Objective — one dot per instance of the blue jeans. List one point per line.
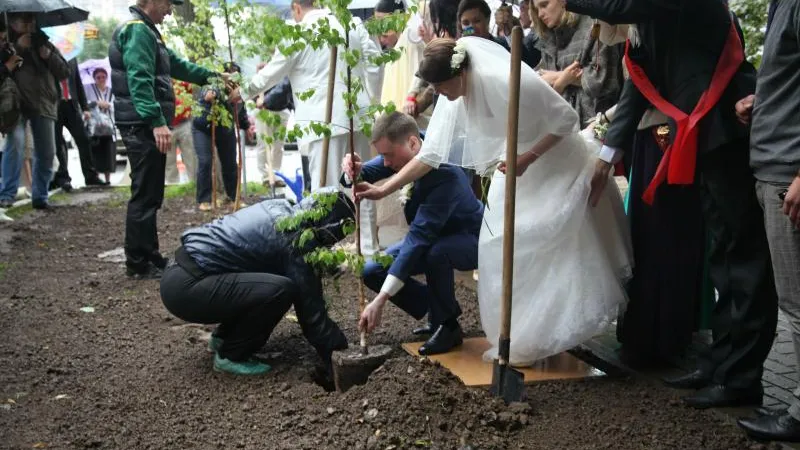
(438, 297)
(44, 146)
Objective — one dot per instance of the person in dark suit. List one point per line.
(73, 112)
(444, 223)
(685, 50)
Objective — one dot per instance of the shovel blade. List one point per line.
(507, 383)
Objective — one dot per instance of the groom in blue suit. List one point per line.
(444, 222)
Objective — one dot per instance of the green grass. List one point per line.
(16, 212)
(180, 190)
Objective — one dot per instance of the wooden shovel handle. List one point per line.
(511, 191)
(326, 141)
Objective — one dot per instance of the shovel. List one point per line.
(507, 382)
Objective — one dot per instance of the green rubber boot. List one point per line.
(214, 344)
(247, 368)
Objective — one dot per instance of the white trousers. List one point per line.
(337, 149)
(269, 157)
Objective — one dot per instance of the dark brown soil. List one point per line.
(129, 376)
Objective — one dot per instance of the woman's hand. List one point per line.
(523, 162)
(104, 105)
(367, 191)
(549, 76)
(12, 62)
(571, 76)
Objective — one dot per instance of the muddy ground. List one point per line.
(130, 376)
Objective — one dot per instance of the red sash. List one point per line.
(680, 159)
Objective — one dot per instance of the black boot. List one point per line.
(444, 339)
(428, 329)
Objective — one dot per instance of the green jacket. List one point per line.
(142, 71)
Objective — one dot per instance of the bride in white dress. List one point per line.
(569, 259)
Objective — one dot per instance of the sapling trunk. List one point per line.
(362, 301)
(213, 164)
(239, 167)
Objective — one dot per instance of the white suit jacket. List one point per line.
(308, 69)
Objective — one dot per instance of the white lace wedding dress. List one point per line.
(569, 259)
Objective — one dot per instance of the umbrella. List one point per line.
(68, 39)
(49, 13)
(87, 67)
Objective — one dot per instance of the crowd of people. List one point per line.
(658, 92)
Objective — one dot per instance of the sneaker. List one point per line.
(152, 273)
(205, 206)
(247, 368)
(214, 344)
(475, 275)
(5, 218)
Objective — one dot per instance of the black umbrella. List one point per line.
(49, 13)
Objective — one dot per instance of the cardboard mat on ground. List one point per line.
(466, 362)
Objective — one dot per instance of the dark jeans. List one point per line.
(438, 296)
(226, 152)
(247, 306)
(71, 117)
(147, 194)
(746, 314)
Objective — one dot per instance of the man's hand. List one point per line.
(744, 109)
(163, 138)
(371, 317)
(12, 62)
(86, 116)
(260, 66)
(45, 52)
(410, 108)
(791, 204)
(366, 191)
(351, 167)
(235, 96)
(599, 181)
(260, 101)
(104, 105)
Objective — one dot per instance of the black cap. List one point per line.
(389, 6)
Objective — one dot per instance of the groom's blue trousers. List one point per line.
(459, 252)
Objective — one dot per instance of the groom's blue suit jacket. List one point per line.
(441, 204)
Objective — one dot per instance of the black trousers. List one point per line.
(746, 314)
(226, 153)
(70, 116)
(247, 306)
(147, 194)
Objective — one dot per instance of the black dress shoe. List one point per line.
(96, 182)
(764, 411)
(42, 206)
(67, 187)
(772, 428)
(151, 273)
(425, 329)
(718, 396)
(694, 380)
(442, 341)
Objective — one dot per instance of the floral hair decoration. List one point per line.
(459, 55)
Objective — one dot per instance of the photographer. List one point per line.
(36, 82)
(9, 59)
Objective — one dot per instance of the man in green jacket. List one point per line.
(142, 68)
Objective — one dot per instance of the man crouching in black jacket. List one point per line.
(243, 274)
